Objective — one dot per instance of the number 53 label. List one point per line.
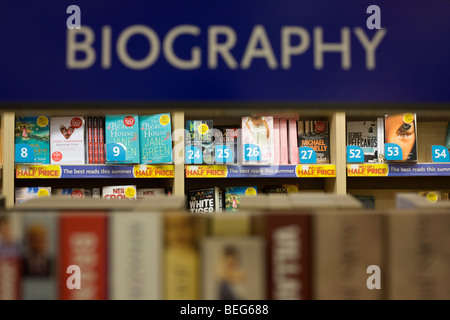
(392, 151)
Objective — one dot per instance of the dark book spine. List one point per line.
(90, 141)
(95, 129)
(101, 140)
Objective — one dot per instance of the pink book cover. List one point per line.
(293, 145)
(258, 131)
(276, 140)
(284, 153)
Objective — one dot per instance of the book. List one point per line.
(32, 140)
(380, 139)
(401, 129)
(67, 145)
(96, 146)
(90, 139)
(315, 135)
(122, 138)
(367, 201)
(276, 141)
(199, 134)
(10, 256)
(233, 268)
(40, 230)
(257, 140)
(135, 245)
(230, 137)
(364, 134)
(233, 196)
(284, 146)
(447, 138)
(181, 257)
(83, 243)
(207, 200)
(280, 188)
(70, 192)
(149, 192)
(23, 194)
(127, 192)
(101, 140)
(293, 141)
(288, 255)
(155, 138)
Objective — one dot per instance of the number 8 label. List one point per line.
(24, 154)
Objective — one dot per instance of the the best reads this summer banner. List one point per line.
(234, 50)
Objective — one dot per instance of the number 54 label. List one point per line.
(440, 154)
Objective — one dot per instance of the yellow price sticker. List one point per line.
(130, 192)
(408, 118)
(164, 120)
(250, 191)
(203, 128)
(43, 193)
(42, 121)
(432, 197)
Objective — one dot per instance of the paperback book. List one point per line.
(76, 193)
(32, 140)
(67, 144)
(257, 140)
(234, 195)
(143, 193)
(315, 135)
(23, 194)
(401, 130)
(127, 192)
(155, 138)
(199, 134)
(205, 200)
(122, 138)
(364, 134)
(229, 137)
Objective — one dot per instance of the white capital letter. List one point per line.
(320, 47)
(85, 46)
(215, 49)
(370, 46)
(259, 35)
(287, 50)
(195, 60)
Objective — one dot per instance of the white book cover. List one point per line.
(135, 246)
(23, 194)
(258, 132)
(149, 192)
(67, 140)
(119, 192)
(380, 139)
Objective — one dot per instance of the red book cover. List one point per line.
(95, 122)
(83, 243)
(288, 256)
(90, 141)
(101, 140)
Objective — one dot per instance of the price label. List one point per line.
(355, 154)
(252, 152)
(440, 154)
(393, 151)
(115, 152)
(223, 154)
(193, 155)
(24, 153)
(307, 155)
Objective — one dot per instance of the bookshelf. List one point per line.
(383, 180)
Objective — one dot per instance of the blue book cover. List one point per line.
(199, 134)
(122, 138)
(233, 196)
(32, 140)
(155, 138)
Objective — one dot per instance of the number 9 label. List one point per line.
(115, 152)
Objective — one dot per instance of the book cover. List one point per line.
(368, 202)
(149, 192)
(135, 246)
(32, 139)
(364, 134)
(70, 192)
(96, 193)
(234, 195)
(127, 192)
(276, 141)
(280, 188)
(23, 194)
(293, 141)
(233, 268)
(155, 138)
(67, 144)
(401, 129)
(230, 137)
(204, 200)
(344, 245)
(101, 140)
(90, 139)
(284, 145)
(380, 139)
(96, 145)
(10, 256)
(199, 134)
(447, 138)
(181, 257)
(315, 135)
(40, 230)
(288, 256)
(257, 139)
(122, 138)
(83, 243)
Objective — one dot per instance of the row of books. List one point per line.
(276, 255)
(133, 138)
(126, 192)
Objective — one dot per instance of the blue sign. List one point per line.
(193, 155)
(355, 154)
(232, 51)
(223, 154)
(307, 155)
(440, 154)
(115, 152)
(252, 152)
(392, 152)
(24, 153)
